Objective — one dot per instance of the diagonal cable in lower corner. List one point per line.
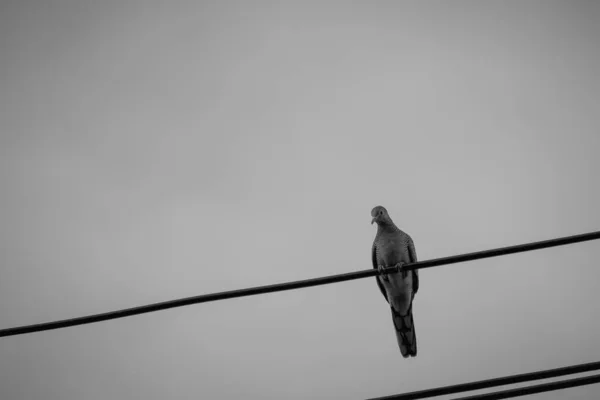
(489, 383)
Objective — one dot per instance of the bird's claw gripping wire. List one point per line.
(400, 268)
(382, 274)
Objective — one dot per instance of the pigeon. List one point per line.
(393, 248)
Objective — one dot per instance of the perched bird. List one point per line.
(393, 247)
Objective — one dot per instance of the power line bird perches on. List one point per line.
(279, 287)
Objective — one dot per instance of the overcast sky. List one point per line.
(156, 150)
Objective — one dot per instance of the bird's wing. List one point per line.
(412, 255)
(374, 260)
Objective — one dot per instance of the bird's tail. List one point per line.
(405, 333)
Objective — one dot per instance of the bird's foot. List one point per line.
(383, 276)
(400, 268)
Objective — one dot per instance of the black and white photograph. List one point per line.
(274, 199)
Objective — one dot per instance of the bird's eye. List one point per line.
(380, 212)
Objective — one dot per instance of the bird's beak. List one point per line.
(373, 220)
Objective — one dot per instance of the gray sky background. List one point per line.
(157, 150)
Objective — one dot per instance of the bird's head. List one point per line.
(380, 215)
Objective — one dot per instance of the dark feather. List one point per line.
(374, 260)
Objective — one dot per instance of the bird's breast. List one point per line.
(393, 252)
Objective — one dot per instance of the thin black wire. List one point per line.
(295, 285)
(544, 387)
(489, 383)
